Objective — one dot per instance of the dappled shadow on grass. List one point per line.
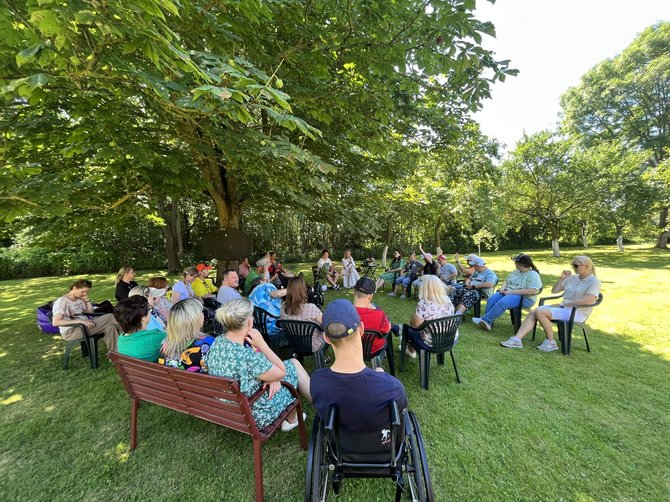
(519, 426)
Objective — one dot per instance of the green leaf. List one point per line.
(27, 55)
(47, 21)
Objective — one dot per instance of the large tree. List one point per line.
(271, 103)
(627, 99)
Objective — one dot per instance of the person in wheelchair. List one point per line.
(361, 395)
(363, 427)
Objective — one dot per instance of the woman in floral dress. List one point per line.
(243, 354)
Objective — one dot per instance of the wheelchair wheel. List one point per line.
(420, 487)
(316, 478)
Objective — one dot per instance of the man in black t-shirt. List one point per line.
(361, 395)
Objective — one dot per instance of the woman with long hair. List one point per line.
(184, 288)
(243, 354)
(394, 268)
(580, 288)
(296, 308)
(137, 339)
(434, 303)
(525, 280)
(124, 281)
(186, 346)
(349, 273)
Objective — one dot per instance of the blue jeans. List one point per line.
(498, 303)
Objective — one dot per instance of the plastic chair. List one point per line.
(261, 324)
(443, 332)
(515, 313)
(369, 336)
(299, 336)
(565, 327)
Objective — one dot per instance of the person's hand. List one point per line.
(421, 247)
(565, 274)
(505, 292)
(87, 322)
(254, 337)
(273, 388)
(457, 256)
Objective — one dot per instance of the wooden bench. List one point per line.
(201, 396)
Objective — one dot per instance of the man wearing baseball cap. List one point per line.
(360, 394)
(481, 282)
(371, 315)
(203, 285)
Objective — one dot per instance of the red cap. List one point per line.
(201, 266)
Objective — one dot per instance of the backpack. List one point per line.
(315, 294)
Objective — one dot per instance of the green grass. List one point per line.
(523, 425)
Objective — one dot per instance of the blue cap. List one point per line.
(340, 312)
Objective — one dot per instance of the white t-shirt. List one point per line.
(324, 263)
(576, 289)
(70, 310)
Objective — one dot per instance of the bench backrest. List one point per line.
(211, 398)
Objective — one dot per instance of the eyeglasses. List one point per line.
(577, 265)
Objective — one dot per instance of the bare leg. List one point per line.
(380, 283)
(303, 380)
(544, 318)
(461, 308)
(330, 280)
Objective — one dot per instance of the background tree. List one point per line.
(627, 99)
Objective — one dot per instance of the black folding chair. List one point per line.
(261, 324)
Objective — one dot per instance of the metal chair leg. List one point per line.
(403, 347)
(586, 339)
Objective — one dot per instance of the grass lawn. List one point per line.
(523, 425)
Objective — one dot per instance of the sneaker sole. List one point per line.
(511, 346)
(551, 349)
(484, 326)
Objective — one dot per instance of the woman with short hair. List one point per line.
(580, 288)
(243, 355)
(137, 339)
(519, 289)
(185, 346)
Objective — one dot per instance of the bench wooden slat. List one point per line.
(212, 392)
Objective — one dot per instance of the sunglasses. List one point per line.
(577, 265)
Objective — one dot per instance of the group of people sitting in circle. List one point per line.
(147, 325)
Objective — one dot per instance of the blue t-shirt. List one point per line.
(184, 290)
(362, 398)
(487, 275)
(226, 293)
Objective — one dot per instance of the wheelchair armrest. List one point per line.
(395, 414)
(331, 418)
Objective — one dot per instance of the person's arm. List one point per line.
(278, 370)
(560, 283)
(415, 321)
(459, 267)
(278, 293)
(59, 320)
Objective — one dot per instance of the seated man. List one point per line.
(70, 310)
(203, 285)
(228, 289)
(372, 316)
(462, 269)
(409, 273)
(361, 395)
(325, 265)
(481, 282)
(448, 272)
(260, 271)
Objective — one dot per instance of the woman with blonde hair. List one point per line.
(434, 303)
(349, 273)
(124, 282)
(243, 354)
(186, 346)
(580, 288)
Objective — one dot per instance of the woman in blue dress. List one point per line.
(243, 354)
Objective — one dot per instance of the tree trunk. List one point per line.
(170, 236)
(389, 231)
(224, 192)
(176, 219)
(662, 242)
(619, 237)
(585, 241)
(555, 237)
(386, 248)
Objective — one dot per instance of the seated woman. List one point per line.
(325, 266)
(124, 283)
(408, 274)
(156, 322)
(349, 274)
(394, 268)
(243, 355)
(430, 267)
(137, 340)
(69, 311)
(296, 308)
(184, 289)
(480, 282)
(162, 306)
(434, 303)
(185, 346)
(525, 280)
(580, 289)
(266, 296)
(463, 270)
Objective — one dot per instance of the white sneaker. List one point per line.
(548, 346)
(475, 320)
(392, 293)
(287, 426)
(402, 297)
(512, 343)
(409, 353)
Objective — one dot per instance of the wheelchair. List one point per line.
(399, 454)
